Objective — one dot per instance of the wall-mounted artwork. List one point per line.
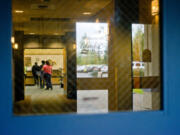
(27, 61)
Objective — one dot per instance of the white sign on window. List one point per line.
(92, 101)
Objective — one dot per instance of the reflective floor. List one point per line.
(40, 101)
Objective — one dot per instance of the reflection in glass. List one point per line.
(92, 50)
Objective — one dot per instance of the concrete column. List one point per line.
(126, 13)
(71, 66)
(18, 65)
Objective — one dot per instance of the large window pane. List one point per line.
(85, 56)
(92, 50)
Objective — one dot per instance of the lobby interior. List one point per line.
(47, 30)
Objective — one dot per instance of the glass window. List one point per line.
(80, 56)
(92, 50)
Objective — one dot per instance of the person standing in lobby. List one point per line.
(42, 75)
(35, 70)
(47, 69)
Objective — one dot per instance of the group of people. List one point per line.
(42, 74)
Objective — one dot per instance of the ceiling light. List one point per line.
(155, 7)
(16, 46)
(74, 46)
(87, 13)
(19, 11)
(97, 20)
(31, 33)
(12, 40)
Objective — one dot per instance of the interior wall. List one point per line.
(37, 55)
(46, 42)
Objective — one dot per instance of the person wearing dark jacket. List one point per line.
(42, 81)
(35, 70)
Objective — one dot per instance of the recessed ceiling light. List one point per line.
(19, 11)
(87, 13)
(31, 33)
(16, 46)
(12, 40)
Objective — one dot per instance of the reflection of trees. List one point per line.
(138, 47)
(106, 56)
(84, 44)
(138, 44)
(91, 54)
(98, 52)
(90, 58)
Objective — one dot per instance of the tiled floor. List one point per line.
(40, 101)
